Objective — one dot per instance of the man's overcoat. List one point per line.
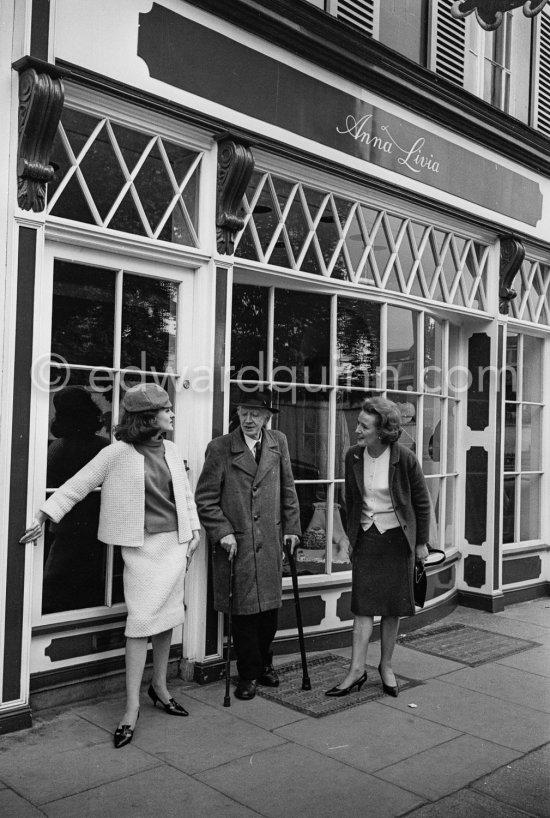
(258, 504)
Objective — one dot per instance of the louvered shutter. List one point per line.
(542, 104)
(448, 42)
(363, 14)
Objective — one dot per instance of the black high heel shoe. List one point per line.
(391, 691)
(343, 691)
(173, 708)
(124, 734)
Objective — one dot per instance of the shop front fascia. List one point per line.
(358, 247)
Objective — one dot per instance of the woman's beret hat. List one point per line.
(146, 397)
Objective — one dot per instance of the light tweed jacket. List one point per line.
(120, 471)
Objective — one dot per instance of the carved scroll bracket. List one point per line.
(235, 167)
(512, 253)
(490, 13)
(41, 97)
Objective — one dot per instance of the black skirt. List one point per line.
(382, 574)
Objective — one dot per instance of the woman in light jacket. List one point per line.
(148, 509)
(388, 521)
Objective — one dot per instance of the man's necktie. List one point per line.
(257, 451)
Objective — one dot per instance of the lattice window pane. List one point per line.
(292, 225)
(125, 180)
(533, 293)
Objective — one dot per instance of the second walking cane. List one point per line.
(306, 684)
(227, 698)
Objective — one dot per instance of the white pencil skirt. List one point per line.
(154, 575)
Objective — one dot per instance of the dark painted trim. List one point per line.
(499, 431)
(516, 595)
(55, 72)
(15, 570)
(482, 602)
(106, 85)
(207, 672)
(320, 38)
(40, 28)
(12, 720)
(88, 672)
(220, 328)
(78, 624)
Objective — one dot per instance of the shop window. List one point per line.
(522, 438)
(122, 179)
(110, 329)
(322, 355)
(292, 225)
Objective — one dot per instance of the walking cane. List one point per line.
(306, 684)
(227, 699)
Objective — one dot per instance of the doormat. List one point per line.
(461, 643)
(324, 672)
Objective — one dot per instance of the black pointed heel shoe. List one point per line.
(389, 689)
(173, 708)
(343, 691)
(124, 734)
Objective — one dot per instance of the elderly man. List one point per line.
(248, 505)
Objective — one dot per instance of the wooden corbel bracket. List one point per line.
(41, 97)
(235, 167)
(512, 253)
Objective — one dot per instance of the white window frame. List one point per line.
(517, 544)
(183, 277)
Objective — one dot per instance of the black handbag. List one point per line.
(435, 557)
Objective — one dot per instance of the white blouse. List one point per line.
(377, 504)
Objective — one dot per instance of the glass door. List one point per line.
(103, 326)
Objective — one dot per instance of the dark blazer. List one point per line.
(408, 492)
(256, 503)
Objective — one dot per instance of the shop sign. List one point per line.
(490, 13)
(196, 59)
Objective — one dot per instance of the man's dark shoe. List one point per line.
(269, 677)
(246, 689)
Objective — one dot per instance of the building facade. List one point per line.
(335, 199)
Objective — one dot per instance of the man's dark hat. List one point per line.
(256, 395)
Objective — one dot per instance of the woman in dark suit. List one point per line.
(388, 520)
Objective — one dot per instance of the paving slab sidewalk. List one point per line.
(476, 743)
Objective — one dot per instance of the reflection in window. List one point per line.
(407, 405)
(348, 406)
(301, 337)
(148, 333)
(522, 459)
(431, 450)
(357, 342)
(83, 314)
(74, 559)
(402, 349)
(303, 417)
(249, 332)
(433, 362)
